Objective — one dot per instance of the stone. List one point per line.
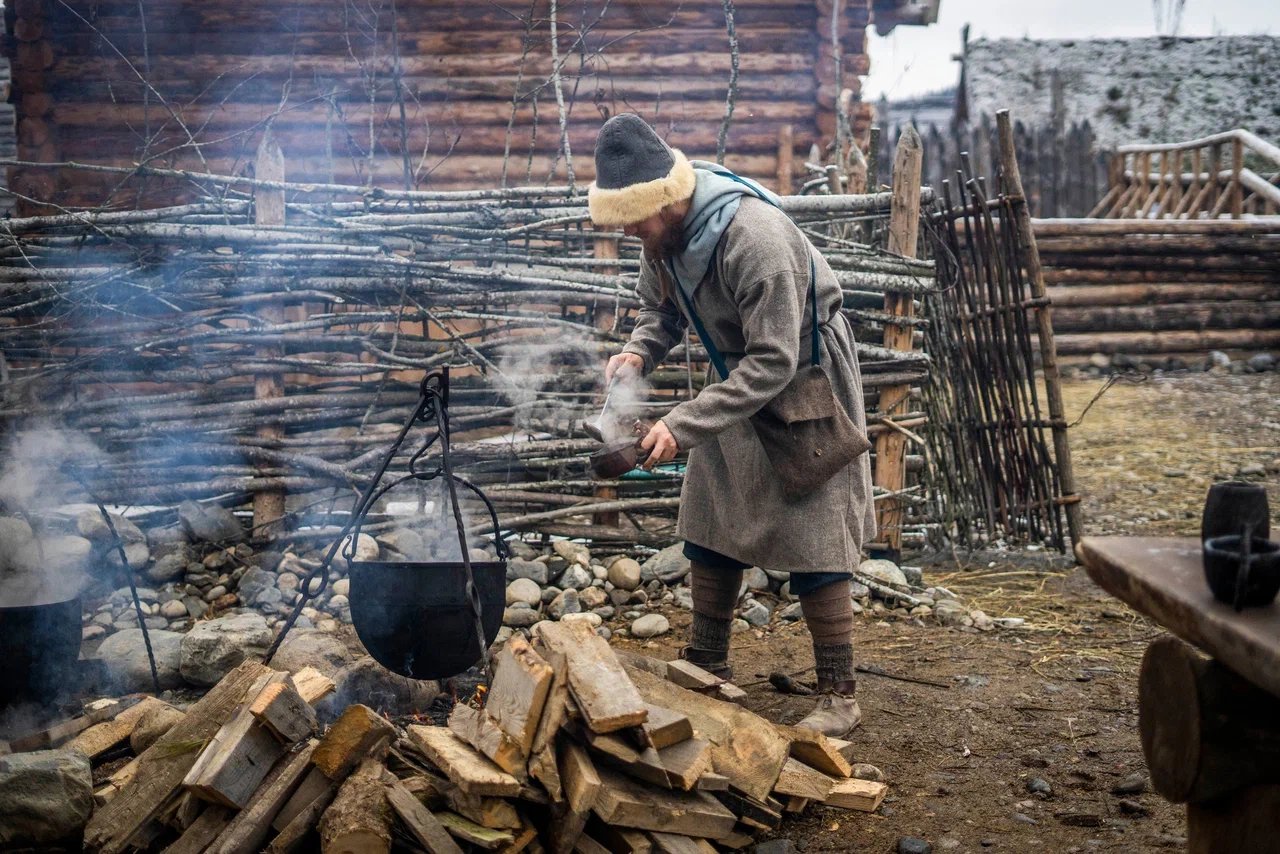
(738, 625)
(366, 548)
(865, 771)
(254, 581)
(1251, 470)
(520, 616)
(532, 570)
(756, 613)
(650, 626)
(341, 587)
(46, 797)
(791, 612)
(572, 552)
(913, 845)
(405, 541)
(599, 575)
(1219, 359)
(92, 632)
(524, 590)
(549, 594)
(210, 523)
(625, 574)
(1101, 361)
(755, 578)
(213, 648)
(125, 656)
(173, 609)
(522, 550)
(337, 602)
(1039, 786)
(566, 603)
(950, 612)
(91, 526)
(683, 597)
(138, 555)
(267, 598)
(884, 571)
(981, 621)
(311, 648)
(591, 619)
(593, 597)
(775, 846)
(366, 681)
(195, 606)
(914, 576)
(167, 568)
(215, 593)
(576, 578)
(1262, 362)
(1129, 806)
(1134, 784)
(668, 566)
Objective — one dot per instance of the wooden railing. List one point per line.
(1231, 174)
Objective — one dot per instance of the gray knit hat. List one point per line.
(637, 174)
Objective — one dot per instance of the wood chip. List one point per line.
(861, 795)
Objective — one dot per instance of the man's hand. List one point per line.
(660, 444)
(623, 365)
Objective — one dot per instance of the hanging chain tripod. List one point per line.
(431, 411)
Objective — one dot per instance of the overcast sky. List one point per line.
(912, 60)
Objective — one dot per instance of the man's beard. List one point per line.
(670, 244)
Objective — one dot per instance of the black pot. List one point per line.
(414, 618)
(1251, 586)
(1233, 504)
(39, 647)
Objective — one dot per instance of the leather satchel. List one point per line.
(806, 433)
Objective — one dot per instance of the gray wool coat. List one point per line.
(754, 304)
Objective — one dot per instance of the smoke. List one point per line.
(38, 566)
(626, 398)
(535, 372)
(429, 532)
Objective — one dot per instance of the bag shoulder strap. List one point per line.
(713, 352)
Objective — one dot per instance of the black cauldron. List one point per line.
(414, 618)
(39, 647)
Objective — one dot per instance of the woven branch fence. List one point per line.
(268, 339)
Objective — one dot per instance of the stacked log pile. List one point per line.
(153, 331)
(1153, 289)
(575, 748)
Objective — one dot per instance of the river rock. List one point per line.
(125, 655)
(173, 609)
(591, 619)
(683, 597)
(520, 616)
(254, 581)
(884, 571)
(791, 612)
(756, 613)
(311, 648)
(566, 603)
(572, 552)
(524, 590)
(668, 566)
(592, 597)
(576, 577)
(406, 542)
(168, 567)
(650, 626)
(93, 527)
(533, 570)
(214, 648)
(366, 548)
(625, 574)
(755, 578)
(212, 523)
(46, 797)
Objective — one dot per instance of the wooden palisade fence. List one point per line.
(219, 351)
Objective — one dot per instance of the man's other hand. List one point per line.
(660, 444)
(624, 364)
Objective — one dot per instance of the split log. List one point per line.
(282, 711)
(479, 730)
(358, 734)
(238, 756)
(625, 802)
(745, 747)
(800, 780)
(424, 826)
(861, 795)
(665, 727)
(202, 832)
(99, 738)
(152, 725)
(162, 767)
(521, 682)
(359, 819)
(470, 832)
(58, 733)
(816, 750)
(581, 787)
(251, 826)
(605, 696)
(543, 765)
(472, 772)
(686, 762)
(311, 685)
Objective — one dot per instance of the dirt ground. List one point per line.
(1055, 700)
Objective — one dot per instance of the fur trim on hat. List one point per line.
(627, 205)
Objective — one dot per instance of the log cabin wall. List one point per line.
(434, 95)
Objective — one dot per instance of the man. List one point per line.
(718, 244)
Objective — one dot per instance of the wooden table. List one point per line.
(1210, 728)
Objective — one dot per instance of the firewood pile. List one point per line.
(573, 747)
